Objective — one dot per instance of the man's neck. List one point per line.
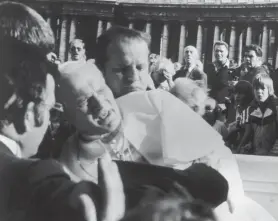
(221, 63)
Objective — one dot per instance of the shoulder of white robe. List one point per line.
(185, 135)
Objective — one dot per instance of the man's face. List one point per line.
(190, 55)
(220, 53)
(77, 51)
(126, 69)
(32, 138)
(90, 105)
(251, 59)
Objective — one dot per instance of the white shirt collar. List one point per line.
(12, 145)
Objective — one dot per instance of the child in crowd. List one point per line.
(261, 125)
(242, 97)
(162, 74)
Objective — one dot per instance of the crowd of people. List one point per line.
(238, 101)
(128, 151)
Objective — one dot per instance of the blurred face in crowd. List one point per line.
(251, 59)
(77, 50)
(126, 69)
(220, 53)
(153, 58)
(239, 98)
(33, 137)
(89, 103)
(261, 93)
(190, 55)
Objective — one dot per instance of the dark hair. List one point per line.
(221, 43)
(116, 34)
(172, 209)
(25, 40)
(255, 48)
(244, 87)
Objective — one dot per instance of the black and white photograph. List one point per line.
(138, 110)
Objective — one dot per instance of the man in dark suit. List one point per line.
(190, 68)
(33, 189)
(219, 73)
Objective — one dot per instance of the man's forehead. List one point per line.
(124, 46)
(81, 79)
(77, 44)
(222, 47)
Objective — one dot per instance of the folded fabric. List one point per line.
(199, 180)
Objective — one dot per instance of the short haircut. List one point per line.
(116, 34)
(244, 87)
(255, 48)
(221, 43)
(77, 40)
(263, 80)
(25, 39)
(171, 209)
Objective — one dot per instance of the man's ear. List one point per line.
(29, 116)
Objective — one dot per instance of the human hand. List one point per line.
(167, 75)
(111, 184)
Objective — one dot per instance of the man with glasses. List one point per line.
(77, 50)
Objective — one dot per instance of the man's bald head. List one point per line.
(191, 55)
(88, 102)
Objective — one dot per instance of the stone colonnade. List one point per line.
(168, 38)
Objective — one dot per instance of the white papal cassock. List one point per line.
(167, 132)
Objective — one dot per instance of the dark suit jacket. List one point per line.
(218, 82)
(39, 190)
(36, 190)
(251, 73)
(196, 75)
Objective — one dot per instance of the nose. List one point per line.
(96, 104)
(132, 74)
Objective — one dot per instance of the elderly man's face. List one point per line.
(190, 55)
(126, 69)
(90, 104)
(77, 51)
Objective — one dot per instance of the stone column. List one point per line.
(239, 54)
(182, 41)
(148, 27)
(72, 32)
(249, 35)
(48, 20)
(164, 40)
(216, 37)
(131, 25)
(99, 27)
(108, 25)
(232, 47)
(265, 42)
(199, 40)
(63, 39)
